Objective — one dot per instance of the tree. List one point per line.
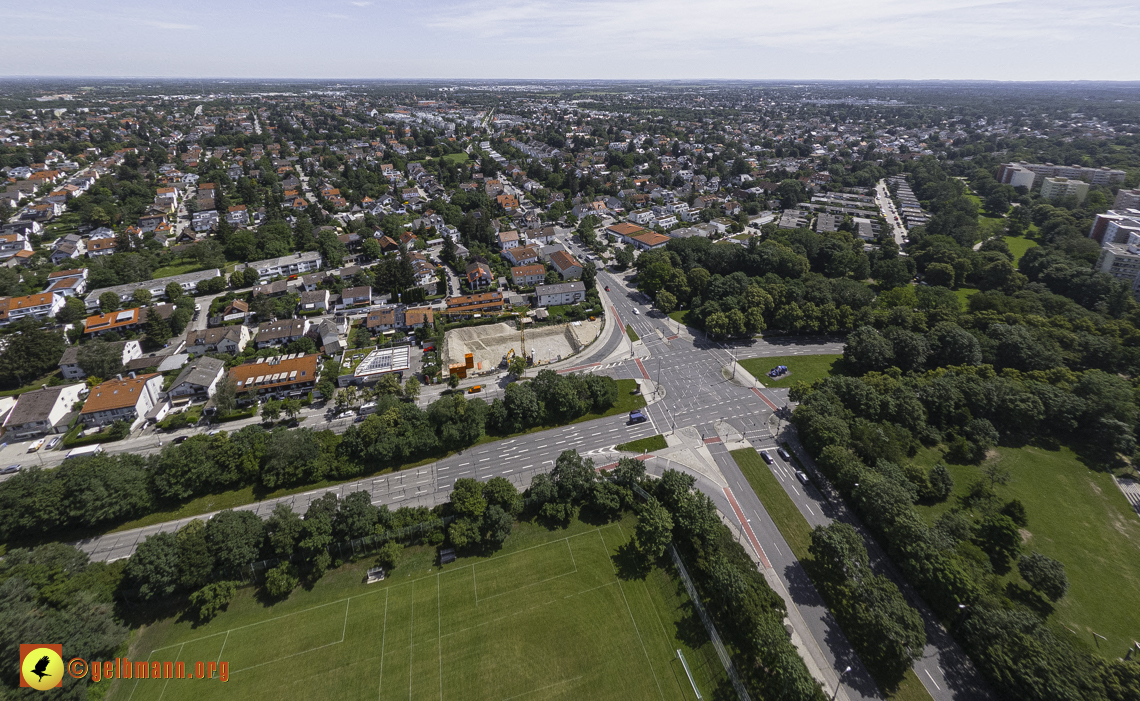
(195, 561)
(940, 274)
(157, 329)
(225, 397)
(1044, 574)
(356, 517)
(467, 498)
(412, 389)
(995, 473)
(790, 193)
(212, 599)
(388, 385)
(628, 471)
(271, 410)
(623, 257)
(666, 302)
(99, 359)
(941, 483)
(235, 538)
(108, 302)
(154, 566)
(499, 491)
(866, 350)
(892, 273)
(31, 353)
(453, 380)
(389, 555)
(141, 297)
(497, 525)
(74, 310)
(283, 528)
(654, 529)
(280, 581)
(291, 407)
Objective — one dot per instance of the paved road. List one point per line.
(696, 389)
(887, 206)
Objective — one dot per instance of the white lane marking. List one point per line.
(484, 459)
(462, 464)
(932, 680)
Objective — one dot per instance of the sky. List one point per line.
(575, 39)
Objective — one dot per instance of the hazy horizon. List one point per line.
(635, 40)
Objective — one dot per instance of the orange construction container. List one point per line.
(459, 369)
(470, 360)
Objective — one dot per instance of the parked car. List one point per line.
(802, 477)
(345, 414)
(783, 453)
(10, 470)
(53, 443)
(180, 439)
(36, 445)
(767, 457)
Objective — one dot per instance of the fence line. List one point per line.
(695, 597)
(721, 652)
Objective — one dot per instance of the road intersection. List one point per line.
(704, 404)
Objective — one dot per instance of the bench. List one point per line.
(375, 575)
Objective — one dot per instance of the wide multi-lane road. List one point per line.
(691, 390)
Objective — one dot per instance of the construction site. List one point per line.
(476, 350)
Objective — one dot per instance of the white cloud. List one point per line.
(360, 4)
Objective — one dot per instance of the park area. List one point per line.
(801, 368)
(551, 616)
(1080, 517)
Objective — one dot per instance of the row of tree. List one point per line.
(104, 489)
(863, 433)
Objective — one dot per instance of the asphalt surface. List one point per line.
(689, 383)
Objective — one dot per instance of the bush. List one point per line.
(280, 581)
(212, 599)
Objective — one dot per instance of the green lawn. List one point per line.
(964, 294)
(989, 226)
(456, 158)
(548, 617)
(177, 269)
(806, 368)
(1018, 245)
(632, 334)
(796, 531)
(1077, 516)
(644, 444)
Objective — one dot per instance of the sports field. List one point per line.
(546, 618)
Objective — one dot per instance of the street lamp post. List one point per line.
(839, 682)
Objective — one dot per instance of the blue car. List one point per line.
(636, 417)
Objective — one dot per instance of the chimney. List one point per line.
(131, 374)
(119, 376)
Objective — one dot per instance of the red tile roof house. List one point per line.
(566, 265)
(122, 399)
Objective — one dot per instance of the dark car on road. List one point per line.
(783, 453)
(636, 417)
(767, 457)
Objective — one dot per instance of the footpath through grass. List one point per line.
(796, 531)
(551, 616)
(805, 368)
(1079, 517)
